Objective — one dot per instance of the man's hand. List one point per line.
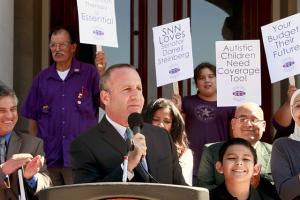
(33, 167)
(139, 151)
(15, 162)
(100, 62)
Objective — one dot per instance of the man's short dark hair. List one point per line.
(237, 141)
(107, 73)
(59, 29)
(6, 91)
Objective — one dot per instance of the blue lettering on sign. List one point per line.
(98, 32)
(239, 93)
(174, 71)
(288, 64)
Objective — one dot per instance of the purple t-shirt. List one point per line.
(63, 109)
(205, 123)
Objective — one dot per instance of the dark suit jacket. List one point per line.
(24, 143)
(97, 156)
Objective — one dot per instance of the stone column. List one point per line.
(31, 22)
(6, 41)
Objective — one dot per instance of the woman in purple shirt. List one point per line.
(205, 122)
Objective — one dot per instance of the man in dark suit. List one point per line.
(18, 150)
(97, 155)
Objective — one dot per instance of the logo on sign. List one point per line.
(238, 93)
(174, 71)
(288, 64)
(98, 33)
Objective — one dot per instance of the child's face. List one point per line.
(206, 82)
(163, 118)
(238, 164)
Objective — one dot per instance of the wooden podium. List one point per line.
(120, 190)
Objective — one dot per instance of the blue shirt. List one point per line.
(7, 138)
(63, 109)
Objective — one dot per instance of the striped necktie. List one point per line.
(2, 150)
(128, 134)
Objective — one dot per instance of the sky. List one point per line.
(206, 26)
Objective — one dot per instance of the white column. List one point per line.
(6, 41)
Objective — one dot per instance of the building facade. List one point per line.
(25, 26)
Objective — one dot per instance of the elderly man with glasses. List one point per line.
(63, 102)
(250, 125)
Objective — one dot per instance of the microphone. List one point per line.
(135, 121)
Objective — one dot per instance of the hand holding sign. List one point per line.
(100, 60)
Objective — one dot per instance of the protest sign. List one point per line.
(238, 72)
(97, 22)
(282, 46)
(173, 52)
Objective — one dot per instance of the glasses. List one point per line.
(246, 120)
(62, 45)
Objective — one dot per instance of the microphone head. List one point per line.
(135, 120)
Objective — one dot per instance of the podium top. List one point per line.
(120, 190)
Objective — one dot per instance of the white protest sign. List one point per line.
(238, 72)
(282, 46)
(97, 22)
(173, 52)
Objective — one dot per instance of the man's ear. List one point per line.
(232, 123)
(74, 46)
(257, 169)
(219, 167)
(264, 125)
(104, 97)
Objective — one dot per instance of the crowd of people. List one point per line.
(184, 140)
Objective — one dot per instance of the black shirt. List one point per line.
(221, 193)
